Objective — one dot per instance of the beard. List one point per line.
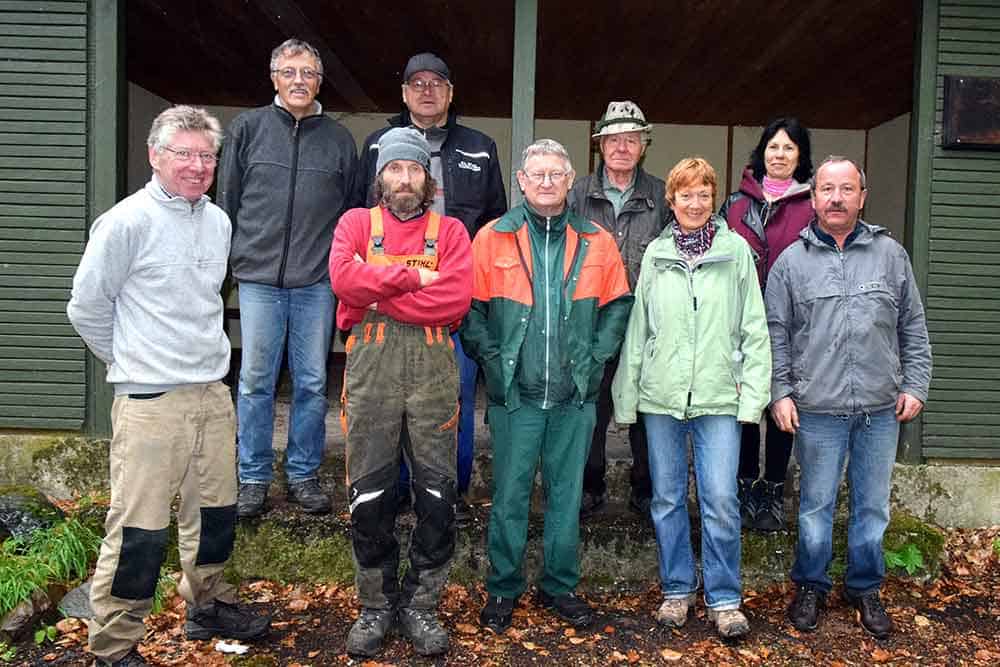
(403, 202)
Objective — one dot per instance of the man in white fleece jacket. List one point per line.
(146, 301)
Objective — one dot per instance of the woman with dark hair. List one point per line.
(769, 210)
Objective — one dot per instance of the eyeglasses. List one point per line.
(420, 85)
(288, 73)
(184, 155)
(538, 177)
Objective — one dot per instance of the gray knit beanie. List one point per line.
(403, 143)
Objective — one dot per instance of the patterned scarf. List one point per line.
(694, 244)
(776, 187)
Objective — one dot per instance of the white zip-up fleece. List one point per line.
(147, 295)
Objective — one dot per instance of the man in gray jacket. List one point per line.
(146, 301)
(286, 176)
(630, 203)
(852, 360)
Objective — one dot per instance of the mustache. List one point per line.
(836, 208)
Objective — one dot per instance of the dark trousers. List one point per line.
(597, 462)
(777, 450)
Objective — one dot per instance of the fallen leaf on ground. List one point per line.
(467, 628)
(671, 655)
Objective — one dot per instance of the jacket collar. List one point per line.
(669, 250)
(517, 217)
(642, 185)
(317, 110)
(155, 190)
(864, 232)
(402, 119)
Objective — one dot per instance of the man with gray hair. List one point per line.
(631, 204)
(550, 303)
(287, 174)
(403, 274)
(852, 360)
(146, 300)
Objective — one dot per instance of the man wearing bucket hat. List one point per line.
(403, 276)
(627, 201)
(470, 187)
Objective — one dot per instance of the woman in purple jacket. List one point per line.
(769, 210)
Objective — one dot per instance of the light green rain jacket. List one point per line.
(697, 341)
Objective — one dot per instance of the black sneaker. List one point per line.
(871, 613)
(251, 500)
(591, 504)
(497, 613)
(310, 496)
(569, 606)
(131, 659)
(366, 636)
(221, 619)
(463, 515)
(804, 610)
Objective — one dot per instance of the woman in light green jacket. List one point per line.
(696, 360)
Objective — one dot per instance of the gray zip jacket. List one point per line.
(146, 297)
(847, 328)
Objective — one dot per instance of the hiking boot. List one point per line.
(569, 607)
(871, 613)
(770, 507)
(425, 632)
(251, 499)
(497, 613)
(308, 494)
(131, 659)
(639, 505)
(673, 613)
(804, 610)
(591, 504)
(368, 632)
(229, 621)
(463, 514)
(748, 501)
(729, 623)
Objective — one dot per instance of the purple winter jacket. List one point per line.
(769, 228)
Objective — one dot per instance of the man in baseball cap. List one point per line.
(627, 201)
(465, 166)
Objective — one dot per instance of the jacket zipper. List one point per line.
(291, 204)
(548, 309)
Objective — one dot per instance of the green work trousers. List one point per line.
(560, 437)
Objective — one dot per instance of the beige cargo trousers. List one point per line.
(179, 442)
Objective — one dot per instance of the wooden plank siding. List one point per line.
(963, 255)
(43, 210)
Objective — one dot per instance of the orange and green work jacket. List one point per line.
(592, 312)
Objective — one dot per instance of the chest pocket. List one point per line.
(509, 280)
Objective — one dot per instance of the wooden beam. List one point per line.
(918, 206)
(523, 109)
(289, 18)
(105, 149)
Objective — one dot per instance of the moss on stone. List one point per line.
(77, 464)
(269, 551)
(904, 528)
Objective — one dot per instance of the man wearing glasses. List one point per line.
(287, 174)
(146, 301)
(550, 301)
(470, 187)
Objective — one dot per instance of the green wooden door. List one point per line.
(43, 210)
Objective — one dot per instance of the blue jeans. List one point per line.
(467, 371)
(268, 317)
(822, 442)
(716, 441)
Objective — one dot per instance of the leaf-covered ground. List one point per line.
(952, 620)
